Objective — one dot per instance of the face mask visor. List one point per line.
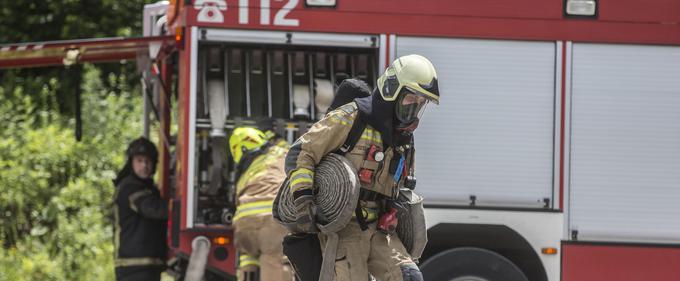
(410, 106)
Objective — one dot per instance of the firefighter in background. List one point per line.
(140, 216)
(383, 158)
(260, 172)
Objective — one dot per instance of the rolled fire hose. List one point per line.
(337, 193)
(200, 247)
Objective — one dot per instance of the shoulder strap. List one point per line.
(249, 157)
(353, 137)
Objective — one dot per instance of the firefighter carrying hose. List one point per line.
(260, 159)
(383, 155)
(140, 216)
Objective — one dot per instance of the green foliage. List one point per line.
(47, 20)
(29, 20)
(55, 214)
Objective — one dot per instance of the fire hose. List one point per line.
(337, 192)
(411, 228)
(200, 247)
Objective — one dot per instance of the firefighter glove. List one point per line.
(306, 214)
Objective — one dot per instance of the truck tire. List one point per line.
(470, 264)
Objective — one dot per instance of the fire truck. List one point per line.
(554, 154)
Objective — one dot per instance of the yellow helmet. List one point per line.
(414, 73)
(245, 139)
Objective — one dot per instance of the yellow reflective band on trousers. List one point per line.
(253, 208)
(138, 261)
(246, 260)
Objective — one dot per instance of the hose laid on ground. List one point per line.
(336, 186)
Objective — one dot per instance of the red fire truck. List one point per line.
(554, 154)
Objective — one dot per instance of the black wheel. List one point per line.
(470, 264)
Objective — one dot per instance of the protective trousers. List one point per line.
(371, 251)
(258, 239)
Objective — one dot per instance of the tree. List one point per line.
(31, 21)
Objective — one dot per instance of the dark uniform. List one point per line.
(140, 225)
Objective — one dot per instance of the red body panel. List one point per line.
(648, 22)
(656, 11)
(582, 262)
(184, 113)
(165, 121)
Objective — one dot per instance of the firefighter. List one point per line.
(383, 158)
(140, 216)
(260, 172)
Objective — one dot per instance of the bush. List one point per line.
(55, 219)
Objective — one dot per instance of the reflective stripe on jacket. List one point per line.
(140, 223)
(328, 135)
(256, 188)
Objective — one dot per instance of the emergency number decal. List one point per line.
(280, 18)
(213, 11)
(210, 10)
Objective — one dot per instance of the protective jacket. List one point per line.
(381, 168)
(257, 237)
(258, 184)
(140, 216)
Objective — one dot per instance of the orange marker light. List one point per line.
(178, 34)
(179, 37)
(549, 251)
(221, 240)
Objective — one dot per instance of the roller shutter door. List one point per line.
(625, 143)
(492, 134)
